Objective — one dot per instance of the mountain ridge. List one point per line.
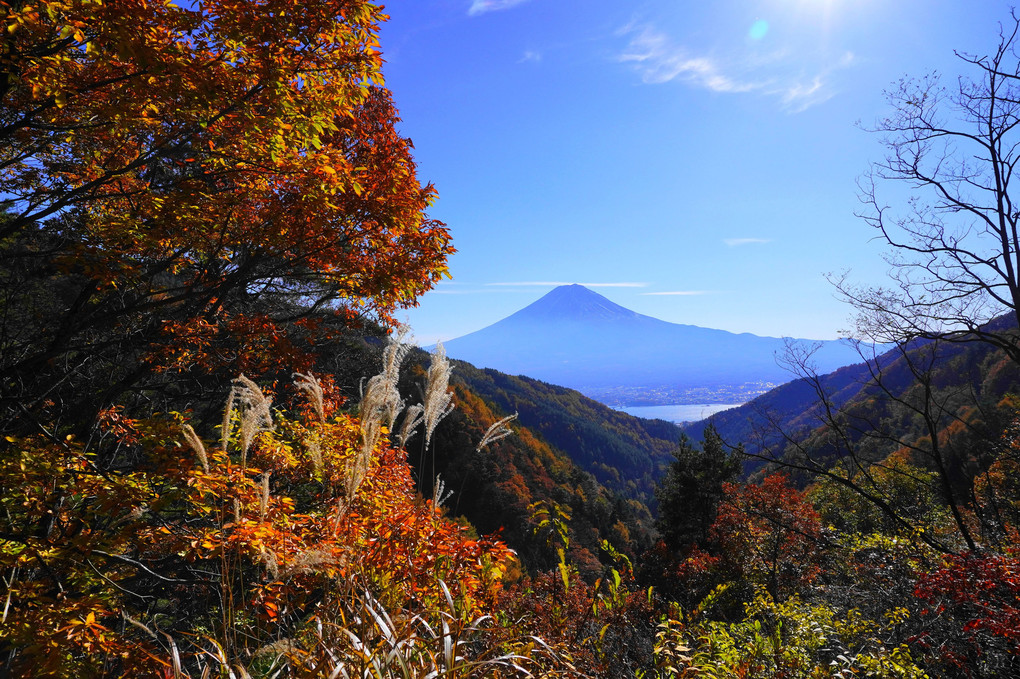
(971, 381)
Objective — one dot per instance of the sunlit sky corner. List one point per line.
(696, 162)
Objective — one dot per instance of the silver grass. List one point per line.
(283, 646)
(196, 444)
(438, 490)
(381, 399)
(438, 398)
(413, 416)
(255, 414)
(309, 560)
(371, 432)
(314, 450)
(380, 404)
(498, 430)
(264, 498)
(310, 387)
(378, 645)
(228, 413)
(271, 564)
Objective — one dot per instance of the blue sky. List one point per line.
(693, 161)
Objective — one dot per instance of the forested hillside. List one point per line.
(626, 454)
(870, 410)
(561, 443)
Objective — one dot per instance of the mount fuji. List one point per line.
(577, 338)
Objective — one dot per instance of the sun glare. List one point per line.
(758, 29)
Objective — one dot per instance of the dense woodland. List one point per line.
(219, 459)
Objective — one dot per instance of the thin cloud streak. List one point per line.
(484, 6)
(779, 74)
(734, 242)
(659, 61)
(558, 283)
(679, 293)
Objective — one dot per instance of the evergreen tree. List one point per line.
(692, 489)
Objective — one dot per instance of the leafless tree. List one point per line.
(955, 241)
(954, 252)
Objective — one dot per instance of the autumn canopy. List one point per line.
(181, 162)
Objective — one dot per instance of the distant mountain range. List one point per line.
(579, 339)
(969, 382)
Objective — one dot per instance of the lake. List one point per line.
(684, 412)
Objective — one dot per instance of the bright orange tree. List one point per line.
(171, 174)
(768, 535)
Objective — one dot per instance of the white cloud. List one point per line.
(785, 74)
(659, 61)
(679, 293)
(558, 283)
(801, 96)
(483, 6)
(530, 55)
(732, 242)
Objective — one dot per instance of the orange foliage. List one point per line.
(106, 570)
(232, 140)
(189, 179)
(768, 534)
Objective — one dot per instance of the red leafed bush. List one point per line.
(973, 612)
(768, 534)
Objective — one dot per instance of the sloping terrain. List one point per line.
(598, 464)
(968, 381)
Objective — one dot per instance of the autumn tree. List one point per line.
(769, 535)
(972, 615)
(179, 185)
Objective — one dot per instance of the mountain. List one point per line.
(579, 339)
(968, 383)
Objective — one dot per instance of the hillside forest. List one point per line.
(220, 457)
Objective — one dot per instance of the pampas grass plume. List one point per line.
(310, 387)
(196, 444)
(438, 398)
(498, 430)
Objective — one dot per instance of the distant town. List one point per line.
(655, 396)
